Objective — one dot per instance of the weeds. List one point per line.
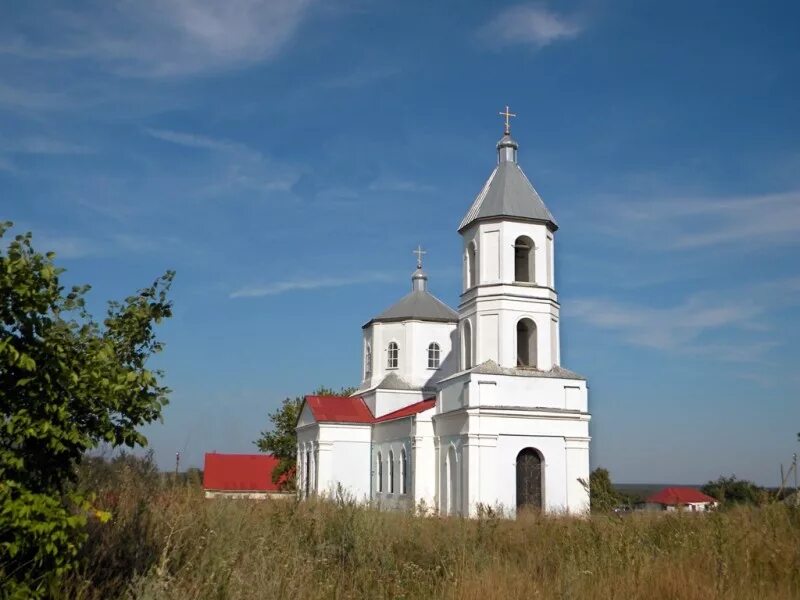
(165, 541)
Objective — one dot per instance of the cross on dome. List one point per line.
(507, 116)
(419, 252)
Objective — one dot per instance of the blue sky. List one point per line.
(285, 158)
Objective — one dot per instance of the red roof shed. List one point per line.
(239, 472)
(679, 495)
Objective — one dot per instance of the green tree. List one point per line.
(281, 439)
(67, 384)
(602, 495)
(731, 491)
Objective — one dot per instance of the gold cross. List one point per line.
(419, 252)
(507, 115)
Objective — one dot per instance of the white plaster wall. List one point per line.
(413, 338)
(341, 454)
(490, 418)
(473, 390)
(393, 437)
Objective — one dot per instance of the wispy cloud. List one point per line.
(311, 283)
(702, 324)
(241, 166)
(160, 39)
(193, 140)
(19, 99)
(42, 145)
(529, 24)
(394, 184)
(684, 223)
(359, 77)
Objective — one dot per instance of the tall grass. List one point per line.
(168, 542)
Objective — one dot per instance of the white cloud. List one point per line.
(313, 283)
(167, 37)
(530, 24)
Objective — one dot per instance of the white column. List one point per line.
(577, 459)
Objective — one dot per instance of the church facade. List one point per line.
(459, 409)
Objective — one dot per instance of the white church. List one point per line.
(459, 409)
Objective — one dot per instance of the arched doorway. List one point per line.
(529, 479)
(526, 343)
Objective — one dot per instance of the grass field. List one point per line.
(169, 542)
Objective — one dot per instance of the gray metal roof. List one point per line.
(419, 305)
(557, 372)
(508, 193)
(490, 367)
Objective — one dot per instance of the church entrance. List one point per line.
(529, 479)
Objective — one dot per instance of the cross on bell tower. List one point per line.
(507, 114)
(420, 253)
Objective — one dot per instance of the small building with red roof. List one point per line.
(680, 498)
(240, 476)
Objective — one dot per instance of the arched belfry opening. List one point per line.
(472, 265)
(530, 479)
(526, 343)
(524, 254)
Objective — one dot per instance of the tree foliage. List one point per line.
(602, 495)
(67, 384)
(281, 439)
(732, 491)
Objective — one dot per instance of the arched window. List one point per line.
(472, 265)
(526, 343)
(524, 254)
(367, 361)
(390, 471)
(434, 353)
(379, 471)
(466, 345)
(403, 472)
(392, 359)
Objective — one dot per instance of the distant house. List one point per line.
(680, 498)
(240, 476)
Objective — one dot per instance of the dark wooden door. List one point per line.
(529, 479)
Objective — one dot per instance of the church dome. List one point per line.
(419, 305)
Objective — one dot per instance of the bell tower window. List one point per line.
(526, 343)
(367, 361)
(524, 253)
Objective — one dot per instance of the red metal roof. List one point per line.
(239, 472)
(407, 411)
(342, 409)
(679, 495)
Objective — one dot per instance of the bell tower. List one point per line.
(509, 310)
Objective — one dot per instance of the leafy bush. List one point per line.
(66, 385)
